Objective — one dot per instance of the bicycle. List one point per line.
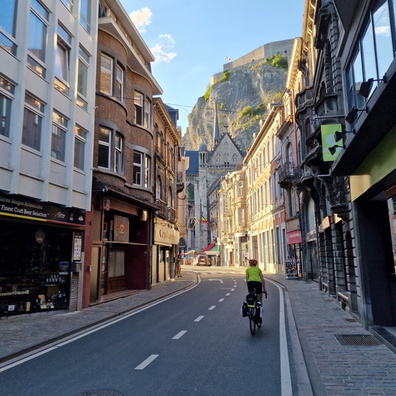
(254, 322)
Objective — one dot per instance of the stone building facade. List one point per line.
(119, 226)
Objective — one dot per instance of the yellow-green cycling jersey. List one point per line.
(254, 274)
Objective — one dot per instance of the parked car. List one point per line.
(203, 260)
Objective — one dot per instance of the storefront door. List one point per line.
(116, 270)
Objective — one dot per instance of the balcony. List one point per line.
(288, 174)
(166, 212)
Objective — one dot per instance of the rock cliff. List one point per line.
(241, 96)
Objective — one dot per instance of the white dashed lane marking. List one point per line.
(179, 334)
(146, 362)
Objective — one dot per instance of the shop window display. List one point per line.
(34, 268)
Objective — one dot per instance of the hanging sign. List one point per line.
(328, 141)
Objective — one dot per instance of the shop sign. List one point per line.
(13, 206)
(165, 233)
(121, 228)
(293, 237)
(328, 141)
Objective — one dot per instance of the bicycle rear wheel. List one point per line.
(252, 322)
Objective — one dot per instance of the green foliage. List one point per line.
(208, 92)
(277, 60)
(224, 77)
(246, 111)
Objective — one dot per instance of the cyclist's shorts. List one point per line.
(254, 286)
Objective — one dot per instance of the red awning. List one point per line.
(209, 247)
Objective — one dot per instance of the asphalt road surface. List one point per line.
(196, 343)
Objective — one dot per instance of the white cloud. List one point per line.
(141, 18)
(383, 31)
(162, 51)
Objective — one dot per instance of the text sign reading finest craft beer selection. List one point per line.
(19, 207)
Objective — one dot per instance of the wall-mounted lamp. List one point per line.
(339, 135)
(366, 86)
(333, 149)
(351, 117)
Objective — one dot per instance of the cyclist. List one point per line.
(255, 281)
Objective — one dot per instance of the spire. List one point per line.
(216, 129)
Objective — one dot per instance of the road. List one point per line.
(196, 343)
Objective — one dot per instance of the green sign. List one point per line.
(329, 141)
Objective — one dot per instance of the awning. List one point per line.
(214, 250)
(209, 247)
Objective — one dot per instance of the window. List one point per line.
(137, 167)
(58, 141)
(37, 38)
(141, 169)
(85, 14)
(147, 172)
(119, 86)
(111, 150)
(82, 78)
(112, 78)
(138, 100)
(240, 189)
(32, 121)
(147, 113)
(6, 96)
(158, 189)
(106, 74)
(104, 159)
(62, 60)
(170, 197)
(116, 263)
(374, 52)
(80, 140)
(118, 155)
(8, 16)
(143, 110)
(69, 4)
(383, 38)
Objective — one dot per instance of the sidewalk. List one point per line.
(333, 351)
(341, 356)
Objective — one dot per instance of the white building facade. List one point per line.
(48, 62)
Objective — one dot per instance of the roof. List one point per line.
(194, 162)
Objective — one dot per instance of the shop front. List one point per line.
(118, 245)
(165, 250)
(293, 261)
(40, 255)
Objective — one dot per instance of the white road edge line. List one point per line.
(179, 334)
(146, 362)
(199, 318)
(286, 387)
(212, 308)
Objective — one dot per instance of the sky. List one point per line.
(191, 41)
